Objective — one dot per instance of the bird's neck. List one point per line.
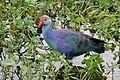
(47, 31)
(47, 28)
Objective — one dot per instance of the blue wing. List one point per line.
(73, 44)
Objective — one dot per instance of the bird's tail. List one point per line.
(98, 45)
(100, 48)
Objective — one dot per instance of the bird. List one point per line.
(66, 41)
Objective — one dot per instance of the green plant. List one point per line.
(19, 39)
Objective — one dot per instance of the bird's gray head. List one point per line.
(44, 20)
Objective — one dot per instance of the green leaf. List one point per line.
(15, 58)
(78, 20)
(107, 47)
(8, 62)
(106, 2)
(32, 1)
(111, 19)
(1, 75)
(72, 24)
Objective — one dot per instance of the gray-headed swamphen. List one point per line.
(66, 41)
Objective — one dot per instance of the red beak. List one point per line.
(41, 22)
(40, 25)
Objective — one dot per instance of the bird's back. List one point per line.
(73, 43)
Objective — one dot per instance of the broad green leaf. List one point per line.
(15, 58)
(72, 24)
(78, 20)
(32, 1)
(8, 62)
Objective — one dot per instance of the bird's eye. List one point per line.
(45, 19)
